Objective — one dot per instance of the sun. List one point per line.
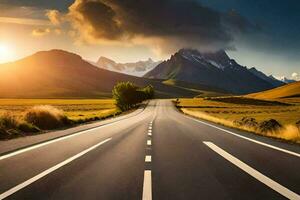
(6, 53)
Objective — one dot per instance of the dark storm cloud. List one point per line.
(101, 17)
(175, 23)
(280, 22)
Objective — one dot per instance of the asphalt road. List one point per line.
(156, 154)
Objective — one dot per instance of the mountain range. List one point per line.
(188, 73)
(286, 80)
(214, 69)
(139, 68)
(60, 74)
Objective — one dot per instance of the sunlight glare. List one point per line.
(6, 53)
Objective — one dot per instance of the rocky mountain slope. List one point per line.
(214, 69)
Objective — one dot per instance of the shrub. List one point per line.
(248, 122)
(46, 117)
(128, 95)
(28, 128)
(6, 133)
(271, 125)
(3, 134)
(8, 121)
(147, 92)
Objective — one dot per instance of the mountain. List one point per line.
(57, 73)
(286, 80)
(214, 69)
(270, 79)
(135, 68)
(289, 90)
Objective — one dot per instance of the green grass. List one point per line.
(203, 90)
(226, 110)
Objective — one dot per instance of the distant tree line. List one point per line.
(127, 95)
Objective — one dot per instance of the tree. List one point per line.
(128, 95)
(148, 92)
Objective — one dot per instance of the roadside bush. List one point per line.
(248, 122)
(8, 134)
(46, 117)
(271, 125)
(3, 134)
(147, 92)
(12, 126)
(8, 121)
(28, 128)
(128, 95)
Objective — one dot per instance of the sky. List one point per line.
(257, 33)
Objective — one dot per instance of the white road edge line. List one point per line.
(23, 150)
(254, 173)
(149, 142)
(52, 141)
(249, 139)
(147, 187)
(149, 133)
(148, 159)
(48, 171)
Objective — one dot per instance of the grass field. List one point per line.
(21, 117)
(74, 109)
(228, 110)
(289, 90)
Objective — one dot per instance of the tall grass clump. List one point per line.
(9, 121)
(46, 117)
(8, 125)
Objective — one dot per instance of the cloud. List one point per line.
(165, 25)
(295, 76)
(55, 17)
(24, 21)
(40, 32)
(58, 31)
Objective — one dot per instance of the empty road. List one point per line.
(157, 154)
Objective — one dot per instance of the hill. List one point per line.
(214, 69)
(289, 90)
(203, 90)
(61, 74)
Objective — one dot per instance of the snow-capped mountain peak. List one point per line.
(286, 80)
(217, 59)
(138, 68)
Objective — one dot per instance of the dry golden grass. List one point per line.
(46, 117)
(289, 90)
(226, 113)
(19, 117)
(76, 109)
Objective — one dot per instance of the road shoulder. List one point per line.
(8, 146)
